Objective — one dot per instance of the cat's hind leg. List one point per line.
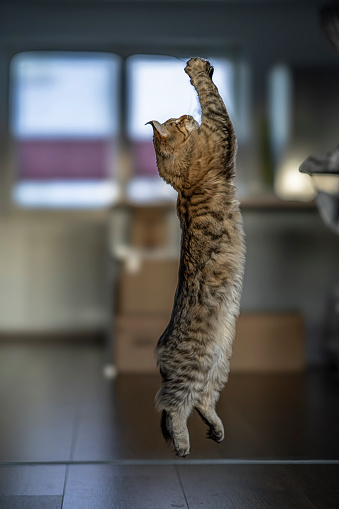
(206, 410)
(174, 415)
(174, 429)
(177, 427)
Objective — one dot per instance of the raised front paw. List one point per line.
(196, 66)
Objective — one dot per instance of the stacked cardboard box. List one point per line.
(265, 342)
(144, 304)
(147, 283)
(269, 342)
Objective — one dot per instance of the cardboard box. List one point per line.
(269, 342)
(148, 228)
(265, 342)
(148, 289)
(135, 340)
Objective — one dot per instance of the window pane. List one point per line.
(159, 89)
(64, 119)
(64, 96)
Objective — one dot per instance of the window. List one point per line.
(158, 89)
(289, 183)
(64, 120)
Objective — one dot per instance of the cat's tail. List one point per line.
(166, 426)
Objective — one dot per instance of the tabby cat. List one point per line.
(194, 351)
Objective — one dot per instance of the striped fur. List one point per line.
(194, 352)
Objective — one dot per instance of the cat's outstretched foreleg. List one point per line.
(215, 122)
(213, 110)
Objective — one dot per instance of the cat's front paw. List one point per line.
(196, 66)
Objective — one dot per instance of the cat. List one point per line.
(194, 352)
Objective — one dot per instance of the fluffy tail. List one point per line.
(166, 426)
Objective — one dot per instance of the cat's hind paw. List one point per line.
(196, 66)
(183, 452)
(215, 435)
(182, 447)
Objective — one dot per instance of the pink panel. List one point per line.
(144, 158)
(63, 159)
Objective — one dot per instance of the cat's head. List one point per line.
(173, 141)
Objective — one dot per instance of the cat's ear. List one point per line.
(158, 129)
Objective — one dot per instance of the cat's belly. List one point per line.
(221, 344)
(209, 348)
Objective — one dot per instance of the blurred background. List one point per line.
(89, 253)
(89, 236)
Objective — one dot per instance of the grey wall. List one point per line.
(292, 265)
(52, 272)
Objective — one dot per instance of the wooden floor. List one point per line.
(69, 438)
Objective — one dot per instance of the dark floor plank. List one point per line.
(30, 502)
(291, 415)
(123, 487)
(32, 480)
(317, 476)
(39, 392)
(57, 401)
(31, 487)
(241, 487)
(45, 435)
(119, 421)
(241, 440)
(323, 499)
(265, 416)
(320, 483)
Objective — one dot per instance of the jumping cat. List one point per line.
(194, 352)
